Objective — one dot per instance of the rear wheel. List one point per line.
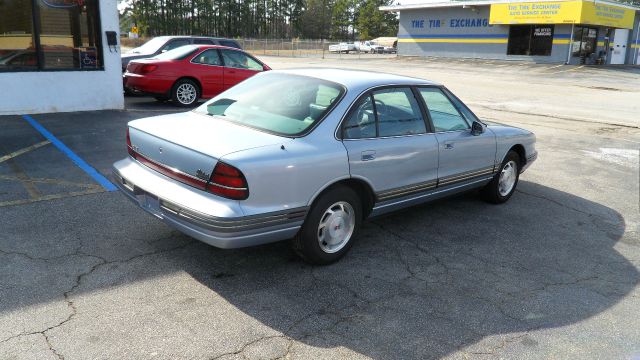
(330, 228)
(185, 92)
(503, 184)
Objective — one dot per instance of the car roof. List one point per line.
(358, 78)
(192, 37)
(209, 46)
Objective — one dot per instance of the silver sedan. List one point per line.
(308, 154)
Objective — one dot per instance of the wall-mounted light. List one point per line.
(470, 7)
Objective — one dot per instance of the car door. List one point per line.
(238, 66)
(207, 66)
(389, 145)
(463, 156)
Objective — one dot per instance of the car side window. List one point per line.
(238, 60)
(361, 123)
(444, 115)
(398, 112)
(175, 44)
(203, 42)
(471, 117)
(208, 57)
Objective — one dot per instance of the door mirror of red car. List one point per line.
(265, 68)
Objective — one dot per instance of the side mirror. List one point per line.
(477, 128)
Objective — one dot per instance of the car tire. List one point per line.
(185, 92)
(330, 228)
(504, 183)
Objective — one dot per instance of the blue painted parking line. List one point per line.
(99, 178)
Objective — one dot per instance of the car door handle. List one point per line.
(448, 145)
(368, 155)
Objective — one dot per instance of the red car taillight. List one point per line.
(229, 182)
(129, 146)
(145, 69)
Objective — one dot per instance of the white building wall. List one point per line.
(64, 91)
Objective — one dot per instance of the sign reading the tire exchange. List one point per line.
(562, 12)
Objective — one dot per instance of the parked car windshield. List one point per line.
(177, 53)
(279, 103)
(150, 46)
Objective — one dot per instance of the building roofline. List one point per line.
(448, 4)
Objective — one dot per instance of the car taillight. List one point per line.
(129, 146)
(229, 182)
(145, 69)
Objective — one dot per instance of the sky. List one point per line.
(122, 4)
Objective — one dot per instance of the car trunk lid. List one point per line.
(187, 146)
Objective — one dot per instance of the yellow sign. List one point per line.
(607, 15)
(134, 29)
(562, 12)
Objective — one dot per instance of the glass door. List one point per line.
(584, 42)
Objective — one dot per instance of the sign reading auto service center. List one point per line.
(571, 12)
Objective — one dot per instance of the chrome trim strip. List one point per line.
(465, 176)
(230, 225)
(213, 223)
(405, 190)
(227, 187)
(433, 193)
(166, 167)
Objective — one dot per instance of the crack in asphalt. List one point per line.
(246, 345)
(67, 294)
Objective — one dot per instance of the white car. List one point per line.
(342, 47)
(366, 46)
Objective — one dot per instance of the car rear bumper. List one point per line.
(215, 221)
(146, 84)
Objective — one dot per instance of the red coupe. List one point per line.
(188, 73)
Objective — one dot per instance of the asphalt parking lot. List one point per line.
(553, 273)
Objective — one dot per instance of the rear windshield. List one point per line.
(150, 46)
(279, 103)
(178, 53)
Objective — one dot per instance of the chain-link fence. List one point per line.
(311, 49)
(296, 48)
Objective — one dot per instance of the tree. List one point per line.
(314, 19)
(373, 23)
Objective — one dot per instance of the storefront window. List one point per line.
(17, 51)
(584, 41)
(64, 36)
(530, 40)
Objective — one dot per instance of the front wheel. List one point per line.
(503, 184)
(185, 92)
(330, 228)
